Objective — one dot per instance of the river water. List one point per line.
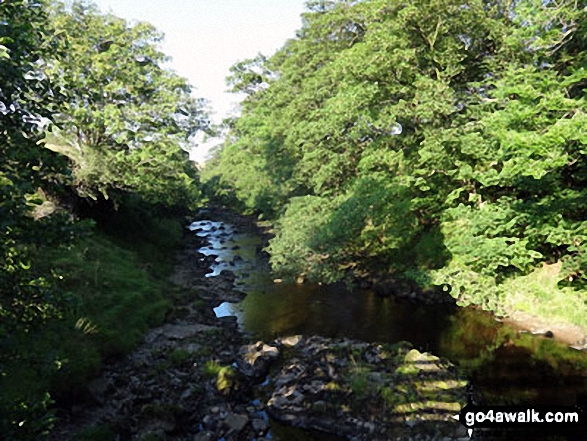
(505, 365)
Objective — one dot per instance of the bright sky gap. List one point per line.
(206, 37)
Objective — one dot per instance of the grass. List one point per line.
(539, 294)
(223, 375)
(154, 238)
(115, 298)
(179, 356)
(114, 289)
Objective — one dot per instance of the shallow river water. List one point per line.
(505, 365)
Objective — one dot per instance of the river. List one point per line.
(505, 365)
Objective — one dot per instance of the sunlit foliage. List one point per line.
(441, 142)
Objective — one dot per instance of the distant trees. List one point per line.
(440, 142)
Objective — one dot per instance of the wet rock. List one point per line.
(228, 321)
(355, 390)
(227, 276)
(177, 332)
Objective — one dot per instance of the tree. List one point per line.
(27, 297)
(521, 166)
(91, 88)
(350, 103)
(441, 142)
(127, 119)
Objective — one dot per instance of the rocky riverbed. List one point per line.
(198, 378)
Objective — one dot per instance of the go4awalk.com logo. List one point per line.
(555, 419)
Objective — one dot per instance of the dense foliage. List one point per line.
(89, 117)
(440, 142)
(125, 116)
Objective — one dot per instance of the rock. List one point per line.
(370, 427)
(290, 341)
(327, 382)
(162, 425)
(203, 436)
(193, 348)
(259, 426)
(186, 394)
(156, 434)
(319, 406)
(372, 357)
(236, 422)
(290, 373)
(422, 361)
(228, 321)
(227, 275)
(256, 358)
(177, 332)
(314, 388)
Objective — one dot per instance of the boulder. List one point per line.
(254, 360)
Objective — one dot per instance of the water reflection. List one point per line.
(334, 311)
(506, 365)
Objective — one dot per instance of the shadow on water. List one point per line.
(333, 311)
(506, 366)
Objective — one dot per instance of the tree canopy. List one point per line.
(88, 112)
(441, 142)
(126, 116)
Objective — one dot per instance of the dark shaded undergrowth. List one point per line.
(113, 284)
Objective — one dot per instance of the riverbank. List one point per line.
(528, 320)
(198, 377)
(573, 335)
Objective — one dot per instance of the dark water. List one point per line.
(505, 365)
